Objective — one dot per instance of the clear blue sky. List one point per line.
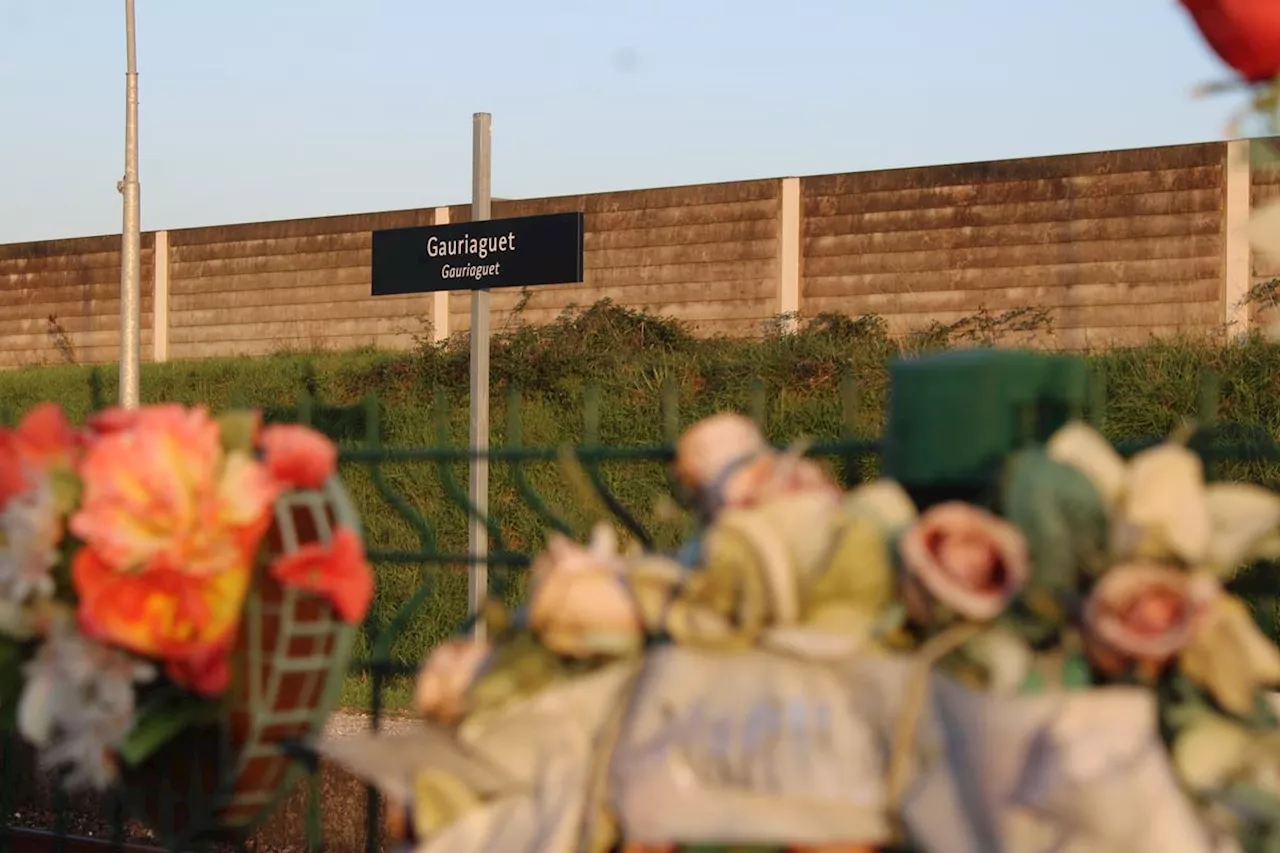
(271, 109)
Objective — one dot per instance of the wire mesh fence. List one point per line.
(415, 511)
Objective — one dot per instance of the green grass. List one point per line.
(793, 382)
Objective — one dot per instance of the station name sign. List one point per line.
(522, 251)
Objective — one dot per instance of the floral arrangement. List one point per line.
(128, 549)
(1245, 34)
(1088, 573)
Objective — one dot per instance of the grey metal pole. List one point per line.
(481, 196)
(131, 243)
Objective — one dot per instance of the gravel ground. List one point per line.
(347, 724)
(95, 826)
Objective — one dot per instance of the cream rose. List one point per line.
(446, 677)
(725, 460)
(581, 605)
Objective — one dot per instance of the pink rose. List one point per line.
(965, 558)
(1142, 615)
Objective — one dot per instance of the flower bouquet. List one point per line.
(178, 598)
(1052, 663)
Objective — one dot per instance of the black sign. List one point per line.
(518, 252)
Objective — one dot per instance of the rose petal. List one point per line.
(942, 581)
(45, 437)
(1082, 447)
(1165, 497)
(298, 455)
(336, 570)
(884, 501)
(1125, 585)
(206, 671)
(445, 677)
(1240, 516)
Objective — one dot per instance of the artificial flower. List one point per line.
(1230, 657)
(1162, 510)
(78, 704)
(336, 569)
(159, 494)
(42, 441)
(30, 532)
(1245, 34)
(119, 419)
(205, 670)
(164, 612)
(580, 605)
(726, 462)
(13, 476)
(446, 676)
(298, 456)
(1140, 616)
(46, 439)
(964, 558)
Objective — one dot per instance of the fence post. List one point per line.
(789, 259)
(1237, 273)
(440, 299)
(160, 297)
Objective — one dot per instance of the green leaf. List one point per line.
(161, 720)
(1075, 672)
(1062, 516)
(66, 488)
(1256, 804)
(238, 430)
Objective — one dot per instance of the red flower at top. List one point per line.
(1245, 34)
(41, 441)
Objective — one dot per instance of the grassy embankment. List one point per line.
(631, 357)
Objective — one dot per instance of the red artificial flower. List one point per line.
(41, 441)
(336, 570)
(206, 671)
(1245, 34)
(298, 456)
(46, 438)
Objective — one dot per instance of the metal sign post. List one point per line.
(481, 196)
(485, 253)
(131, 240)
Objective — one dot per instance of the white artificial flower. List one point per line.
(77, 705)
(30, 529)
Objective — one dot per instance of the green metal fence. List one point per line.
(415, 509)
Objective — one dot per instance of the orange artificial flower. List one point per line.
(164, 613)
(161, 494)
(298, 456)
(171, 527)
(46, 438)
(336, 570)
